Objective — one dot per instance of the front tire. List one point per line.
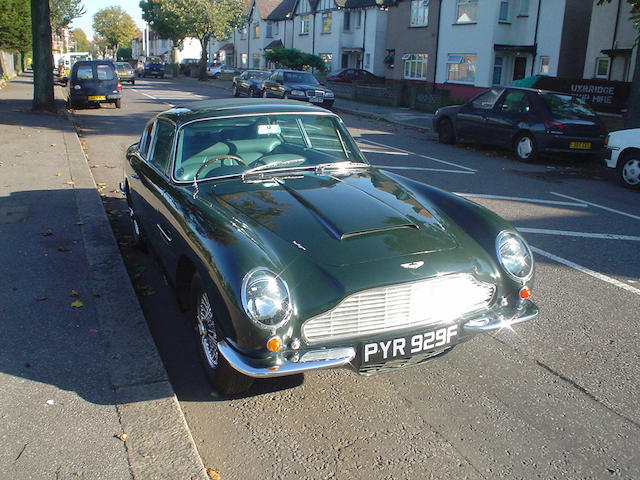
(235, 92)
(629, 169)
(133, 82)
(525, 148)
(264, 93)
(222, 376)
(445, 131)
(118, 103)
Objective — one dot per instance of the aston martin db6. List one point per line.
(292, 253)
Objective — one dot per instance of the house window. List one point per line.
(304, 24)
(327, 57)
(467, 11)
(544, 65)
(326, 22)
(602, 67)
(269, 29)
(524, 8)
(461, 68)
(497, 70)
(415, 66)
(244, 58)
(276, 28)
(256, 30)
(243, 33)
(347, 21)
(256, 60)
(357, 18)
(367, 60)
(419, 13)
(503, 16)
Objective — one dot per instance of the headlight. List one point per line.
(265, 298)
(514, 256)
(328, 94)
(297, 93)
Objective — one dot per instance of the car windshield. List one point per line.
(567, 106)
(262, 75)
(236, 145)
(300, 77)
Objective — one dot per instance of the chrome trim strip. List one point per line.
(527, 312)
(243, 365)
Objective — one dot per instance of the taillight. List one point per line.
(119, 85)
(554, 127)
(606, 141)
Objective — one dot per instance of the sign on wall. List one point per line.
(602, 95)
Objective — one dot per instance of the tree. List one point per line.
(63, 12)
(167, 24)
(632, 119)
(15, 27)
(42, 57)
(80, 39)
(295, 59)
(115, 26)
(202, 19)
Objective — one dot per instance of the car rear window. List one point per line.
(84, 72)
(105, 72)
(567, 106)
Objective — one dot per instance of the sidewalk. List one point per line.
(78, 367)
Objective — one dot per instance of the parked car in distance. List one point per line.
(292, 253)
(94, 82)
(249, 83)
(622, 152)
(349, 75)
(154, 67)
(125, 72)
(525, 120)
(214, 70)
(297, 85)
(187, 65)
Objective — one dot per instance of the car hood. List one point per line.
(307, 86)
(339, 221)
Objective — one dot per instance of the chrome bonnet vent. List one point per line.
(425, 302)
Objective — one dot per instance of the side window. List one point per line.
(487, 100)
(162, 145)
(517, 102)
(145, 140)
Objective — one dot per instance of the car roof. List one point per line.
(235, 107)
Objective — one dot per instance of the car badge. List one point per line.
(412, 265)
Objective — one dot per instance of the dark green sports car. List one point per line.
(292, 253)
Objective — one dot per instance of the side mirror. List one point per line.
(133, 148)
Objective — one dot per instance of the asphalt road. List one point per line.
(558, 397)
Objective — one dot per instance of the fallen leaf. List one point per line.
(70, 183)
(50, 402)
(145, 290)
(77, 304)
(100, 184)
(47, 233)
(63, 249)
(79, 223)
(58, 174)
(115, 190)
(214, 474)
(73, 293)
(95, 166)
(53, 144)
(122, 437)
(42, 299)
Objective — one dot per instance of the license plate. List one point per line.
(404, 347)
(316, 99)
(96, 97)
(580, 145)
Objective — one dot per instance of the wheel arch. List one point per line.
(446, 118)
(628, 151)
(520, 132)
(184, 276)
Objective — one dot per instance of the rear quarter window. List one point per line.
(567, 106)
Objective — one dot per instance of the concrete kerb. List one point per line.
(159, 443)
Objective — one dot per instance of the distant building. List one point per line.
(150, 44)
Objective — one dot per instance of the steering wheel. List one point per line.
(215, 159)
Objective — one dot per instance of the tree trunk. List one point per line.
(203, 57)
(632, 119)
(42, 57)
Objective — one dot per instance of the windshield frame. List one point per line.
(174, 156)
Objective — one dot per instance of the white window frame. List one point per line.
(419, 13)
(523, 8)
(415, 66)
(545, 61)
(357, 18)
(607, 60)
(243, 33)
(256, 30)
(346, 21)
(503, 15)
(269, 30)
(253, 60)
(326, 26)
(454, 60)
(304, 24)
(328, 59)
(244, 59)
(463, 4)
(498, 64)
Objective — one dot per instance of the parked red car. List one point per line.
(349, 75)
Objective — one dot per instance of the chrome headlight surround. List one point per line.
(266, 299)
(297, 93)
(514, 255)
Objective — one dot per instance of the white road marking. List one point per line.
(520, 199)
(423, 169)
(147, 95)
(417, 154)
(597, 206)
(587, 271)
(566, 233)
(365, 150)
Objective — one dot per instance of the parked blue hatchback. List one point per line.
(94, 82)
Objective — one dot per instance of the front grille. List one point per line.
(398, 307)
(375, 368)
(315, 93)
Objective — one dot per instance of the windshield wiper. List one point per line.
(337, 167)
(271, 166)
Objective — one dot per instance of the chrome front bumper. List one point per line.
(342, 356)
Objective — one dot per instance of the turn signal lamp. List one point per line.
(119, 86)
(274, 344)
(525, 293)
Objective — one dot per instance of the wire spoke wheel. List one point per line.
(207, 331)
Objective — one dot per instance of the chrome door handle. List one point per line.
(166, 236)
(134, 176)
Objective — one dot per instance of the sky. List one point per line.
(85, 22)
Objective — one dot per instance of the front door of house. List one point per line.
(519, 68)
